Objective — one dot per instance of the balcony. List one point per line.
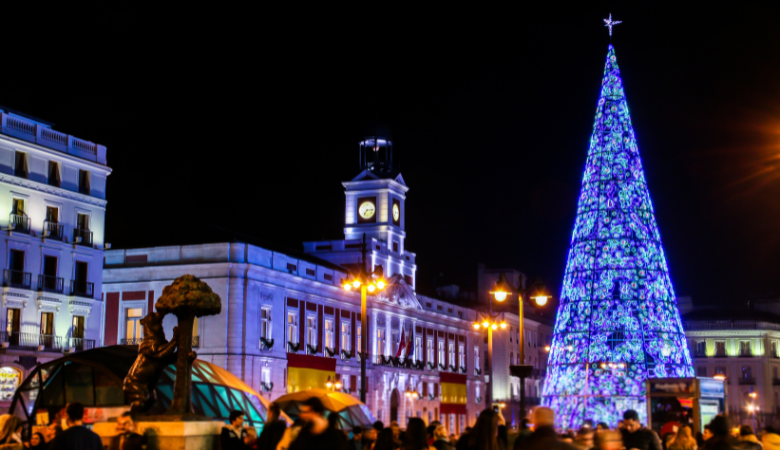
(746, 354)
(52, 230)
(32, 340)
(48, 283)
(17, 279)
(19, 223)
(82, 237)
(721, 355)
(747, 381)
(700, 354)
(80, 344)
(82, 288)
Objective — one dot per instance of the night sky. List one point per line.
(250, 120)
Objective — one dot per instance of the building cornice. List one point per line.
(59, 192)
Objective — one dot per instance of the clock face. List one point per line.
(367, 210)
(396, 212)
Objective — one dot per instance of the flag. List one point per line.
(309, 371)
(401, 345)
(409, 344)
(453, 393)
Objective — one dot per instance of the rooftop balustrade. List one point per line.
(43, 135)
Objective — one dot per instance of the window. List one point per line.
(511, 332)
(82, 221)
(134, 333)
(78, 327)
(84, 178)
(511, 358)
(14, 321)
(451, 352)
(701, 371)
(476, 358)
(54, 174)
(328, 277)
(441, 352)
(720, 348)
(292, 328)
(417, 348)
(487, 368)
(701, 348)
(346, 335)
(720, 371)
(774, 349)
(395, 246)
(266, 376)
(408, 280)
(345, 386)
(380, 342)
(744, 348)
(20, 165)
(429, 349)
(311, 331)
(265, 323)
(310, 272)
(330, 341)
(18, 215)
(747, 372)
(80, 284)
(292, 268)
(51, 225)
(358, 337)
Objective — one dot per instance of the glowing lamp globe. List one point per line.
(547, 348)
(503, 325)
(476, 326)
(338, 385)
(500, 296)
(494, 327)
(541, 300)
(380, 284)
(371, 288)
(356, 284)
(485, 324)
(347, 287)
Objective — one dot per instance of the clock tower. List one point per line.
(375, 205)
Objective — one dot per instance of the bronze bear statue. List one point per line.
(154, 354)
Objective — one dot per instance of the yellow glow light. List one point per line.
(503, 325)
(476, 326)
(486, 324)
(380, 284)
(753, 395)
(570, 348)
(547, 348)
(500, 296)
(371, 288)
(338, 385)
(541, 300)
(347, 286)
(603, 365)
(719, 376)
(356, 284)
(328, 384)
(494, 327)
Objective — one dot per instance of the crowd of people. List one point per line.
(313, 430)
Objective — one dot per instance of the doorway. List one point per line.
(394, 399)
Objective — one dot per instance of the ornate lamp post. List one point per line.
(368, 283)
(489, 320)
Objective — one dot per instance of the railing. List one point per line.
(721, 355)
(80, 344)
(131, 341)
(20, 222)
(45, 136)
(699, 354)
(82, 288)
(52, 230)
(746, 355)
(293, 347)
(32, 340)
(85, 235)
(747, 381)
(48, 283)
(694, 326)
(15, 278)
(195, 341)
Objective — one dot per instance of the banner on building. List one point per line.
(453, 393)
(309, 372)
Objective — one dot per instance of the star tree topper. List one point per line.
(611, 23)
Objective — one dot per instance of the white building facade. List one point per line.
(52, 216)
(277, 302)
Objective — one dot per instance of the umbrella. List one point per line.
(350, 410)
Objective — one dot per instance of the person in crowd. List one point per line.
(637, 436)
(484, 435)
(317, 433)
(770, 439)
(503, 436)
(126, 438)
(463, 442)
(523, 433)
(77, 436)
(369, 437)
(707, 433)
(384, 440)
(273, 430)
(606, 439)
(683, 440)
(356, 443)
(748, 439)
(431, 428)
(440, 441)
(37, 442)
(290, 434)
(601, 426)
(544, 437)
(584, 438)
(10, 430)
(396, 432)
(416, 436)
(721, 439)
(250, 438)
(232, 436)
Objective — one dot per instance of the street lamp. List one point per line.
(367, 283)
(523, 370)
(491, 323)
(333, 386)
(752, 407)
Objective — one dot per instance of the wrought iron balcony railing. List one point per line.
(266, 344)
(49, 342)
(82, 237)
(747, 381)
(52, 230)
(19, 222)
(17, 279)
(82, 288)
(80, 344)
(49, 283)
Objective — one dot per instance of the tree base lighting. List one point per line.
(617, 322)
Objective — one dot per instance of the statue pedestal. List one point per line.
(163, 435)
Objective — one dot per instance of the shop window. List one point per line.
(10, 378)
(134, 332)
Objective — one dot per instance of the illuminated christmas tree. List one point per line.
(618, 322)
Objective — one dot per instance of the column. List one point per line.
(373, 326)
(236, 304)
(388, 335)
(413, 333)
